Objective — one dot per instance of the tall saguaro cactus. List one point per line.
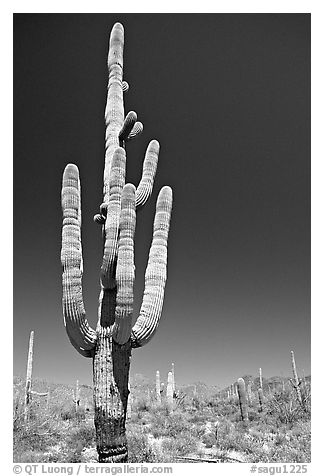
(110, 344)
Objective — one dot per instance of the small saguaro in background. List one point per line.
(242, 399)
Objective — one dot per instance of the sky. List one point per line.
(228, 98)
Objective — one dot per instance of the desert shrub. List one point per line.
(285, 408)
(77, 439)
(179, 446)
(72, 414)
(33, 438)
(172, 425)
(139, 449)
(197, 418)
(209, 440)
(143, 406)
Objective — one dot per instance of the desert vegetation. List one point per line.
(201, 424)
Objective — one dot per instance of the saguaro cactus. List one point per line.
(173, 376)
(169, 391)
(249, 391)
(260, 395)
(76, 399)
(158, 387)
(260, 378)
(111, 343)
(242, 399)
(296, 382)
(28, 389)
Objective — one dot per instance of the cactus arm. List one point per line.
(145, 186)
(125, 271)
(125, 86)
(117, 181)
(44, 394)
(155, 276)
(114, 113)
(136, 131)
(128, 125)
(81, 335)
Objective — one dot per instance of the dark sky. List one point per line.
(228, 98)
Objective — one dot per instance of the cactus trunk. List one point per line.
(242, 399)
(296, 381)
(110, 344)
(48, 399)
(28, 389)
(173, 377)
(249, 392)
(129, 404)
(110, 384)
(260, 395)
(169, 391)
(260, 378)
(77, 396)
(158, 387)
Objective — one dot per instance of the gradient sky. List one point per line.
(228, 98)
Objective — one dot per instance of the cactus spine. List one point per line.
(158, 387)
(242, 399)
(169, 391)
(296, 382)
(28, 390)
(110, 344)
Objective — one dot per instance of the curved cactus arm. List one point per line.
(128, 125)
(144, 189)
(136, 131)
(156, 273)
(125, 86)
(114, 113)
(125, 271)
(81, 335)
(112, 213)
